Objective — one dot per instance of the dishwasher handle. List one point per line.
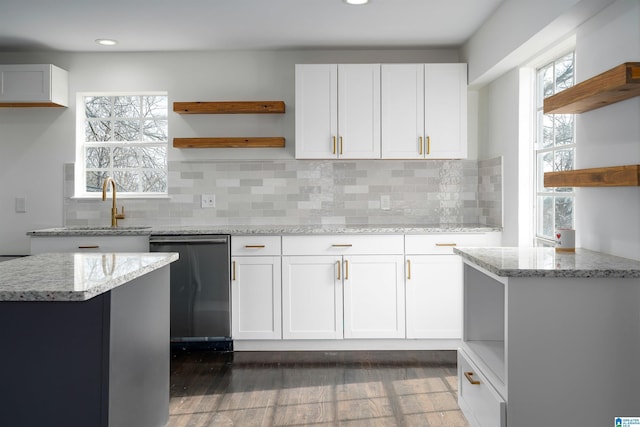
(220, 240)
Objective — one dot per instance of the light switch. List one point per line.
(21, 204)
(385, 202)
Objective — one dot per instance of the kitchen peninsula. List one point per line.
(549, 338)
(85, 339)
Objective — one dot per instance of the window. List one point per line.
(554, 150)
(123, 136)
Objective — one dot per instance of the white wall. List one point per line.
(608, 219)
(36, 142)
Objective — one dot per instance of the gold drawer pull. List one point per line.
(469, 377)
(334, 145)
(346, 269)
(428, 145)
(89, 247)
(408, 269)
(340, 145)
(233, 277)
(446, 244)
(338, 265)
(254, 246)
(420, 151)
(342, 245)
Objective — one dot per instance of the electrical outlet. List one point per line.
(385, 202)
(208, 201)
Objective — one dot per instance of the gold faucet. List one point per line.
(115, 216)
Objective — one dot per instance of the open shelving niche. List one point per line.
(617, 84)
(230, 107)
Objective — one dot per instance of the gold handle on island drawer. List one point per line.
(254, 246)
(428, 145)
(334, 145)
(408, 269)
(346, 269)
(469, 377)
(342, 245)
(233, 264)
(340, 145)
(420, 146)
(446, 244)
(338, 265)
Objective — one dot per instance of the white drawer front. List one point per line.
(443, 243)
(89, 244)
(343, 244)
(255, 245)
(480, 403)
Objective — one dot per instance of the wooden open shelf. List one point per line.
(230, 107)
(615, 176)
(251, 142)
(617, 84)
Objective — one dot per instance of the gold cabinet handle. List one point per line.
(446, 244)
(334, 145)
(408, 269)
(469, 377)
(346, 269)
(428, 145)
(89, 247)
(420, 149)
(342, 245)
(340, 145)
(338, 265)
(254, 246)
(233, 269)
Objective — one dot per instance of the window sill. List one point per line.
(121, 196)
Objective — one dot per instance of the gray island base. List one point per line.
(86, 343)
(548, 338)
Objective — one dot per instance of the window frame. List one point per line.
(81, 144)
(539, 191)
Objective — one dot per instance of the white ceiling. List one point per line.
(153, 25)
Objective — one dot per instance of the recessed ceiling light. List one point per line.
(107, 42)
(357, 2)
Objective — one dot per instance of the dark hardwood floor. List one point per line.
(363, 388)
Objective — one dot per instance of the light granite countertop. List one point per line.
(546, 262)
(74, 276)
(264, 230)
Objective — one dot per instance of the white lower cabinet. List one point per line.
(343, 286)
(256, 297)
(312, 297)
(434, 296)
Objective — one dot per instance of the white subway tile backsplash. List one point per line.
(293, 192)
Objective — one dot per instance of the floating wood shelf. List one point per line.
(251, 142)
(617, 84)
(230, 107)
(616, 176)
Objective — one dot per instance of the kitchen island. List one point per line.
(85, 339)
(549, 338)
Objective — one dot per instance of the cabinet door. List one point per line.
(311, 297)
(445, 111)
(256, 298)
(402, 102)
(359, 111)
(316, 111)
(434, 296)
(374, 296)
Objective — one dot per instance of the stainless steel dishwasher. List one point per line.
(200, 289)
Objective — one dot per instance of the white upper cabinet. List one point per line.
(33, 85)
(338, 111)
(424, 111)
